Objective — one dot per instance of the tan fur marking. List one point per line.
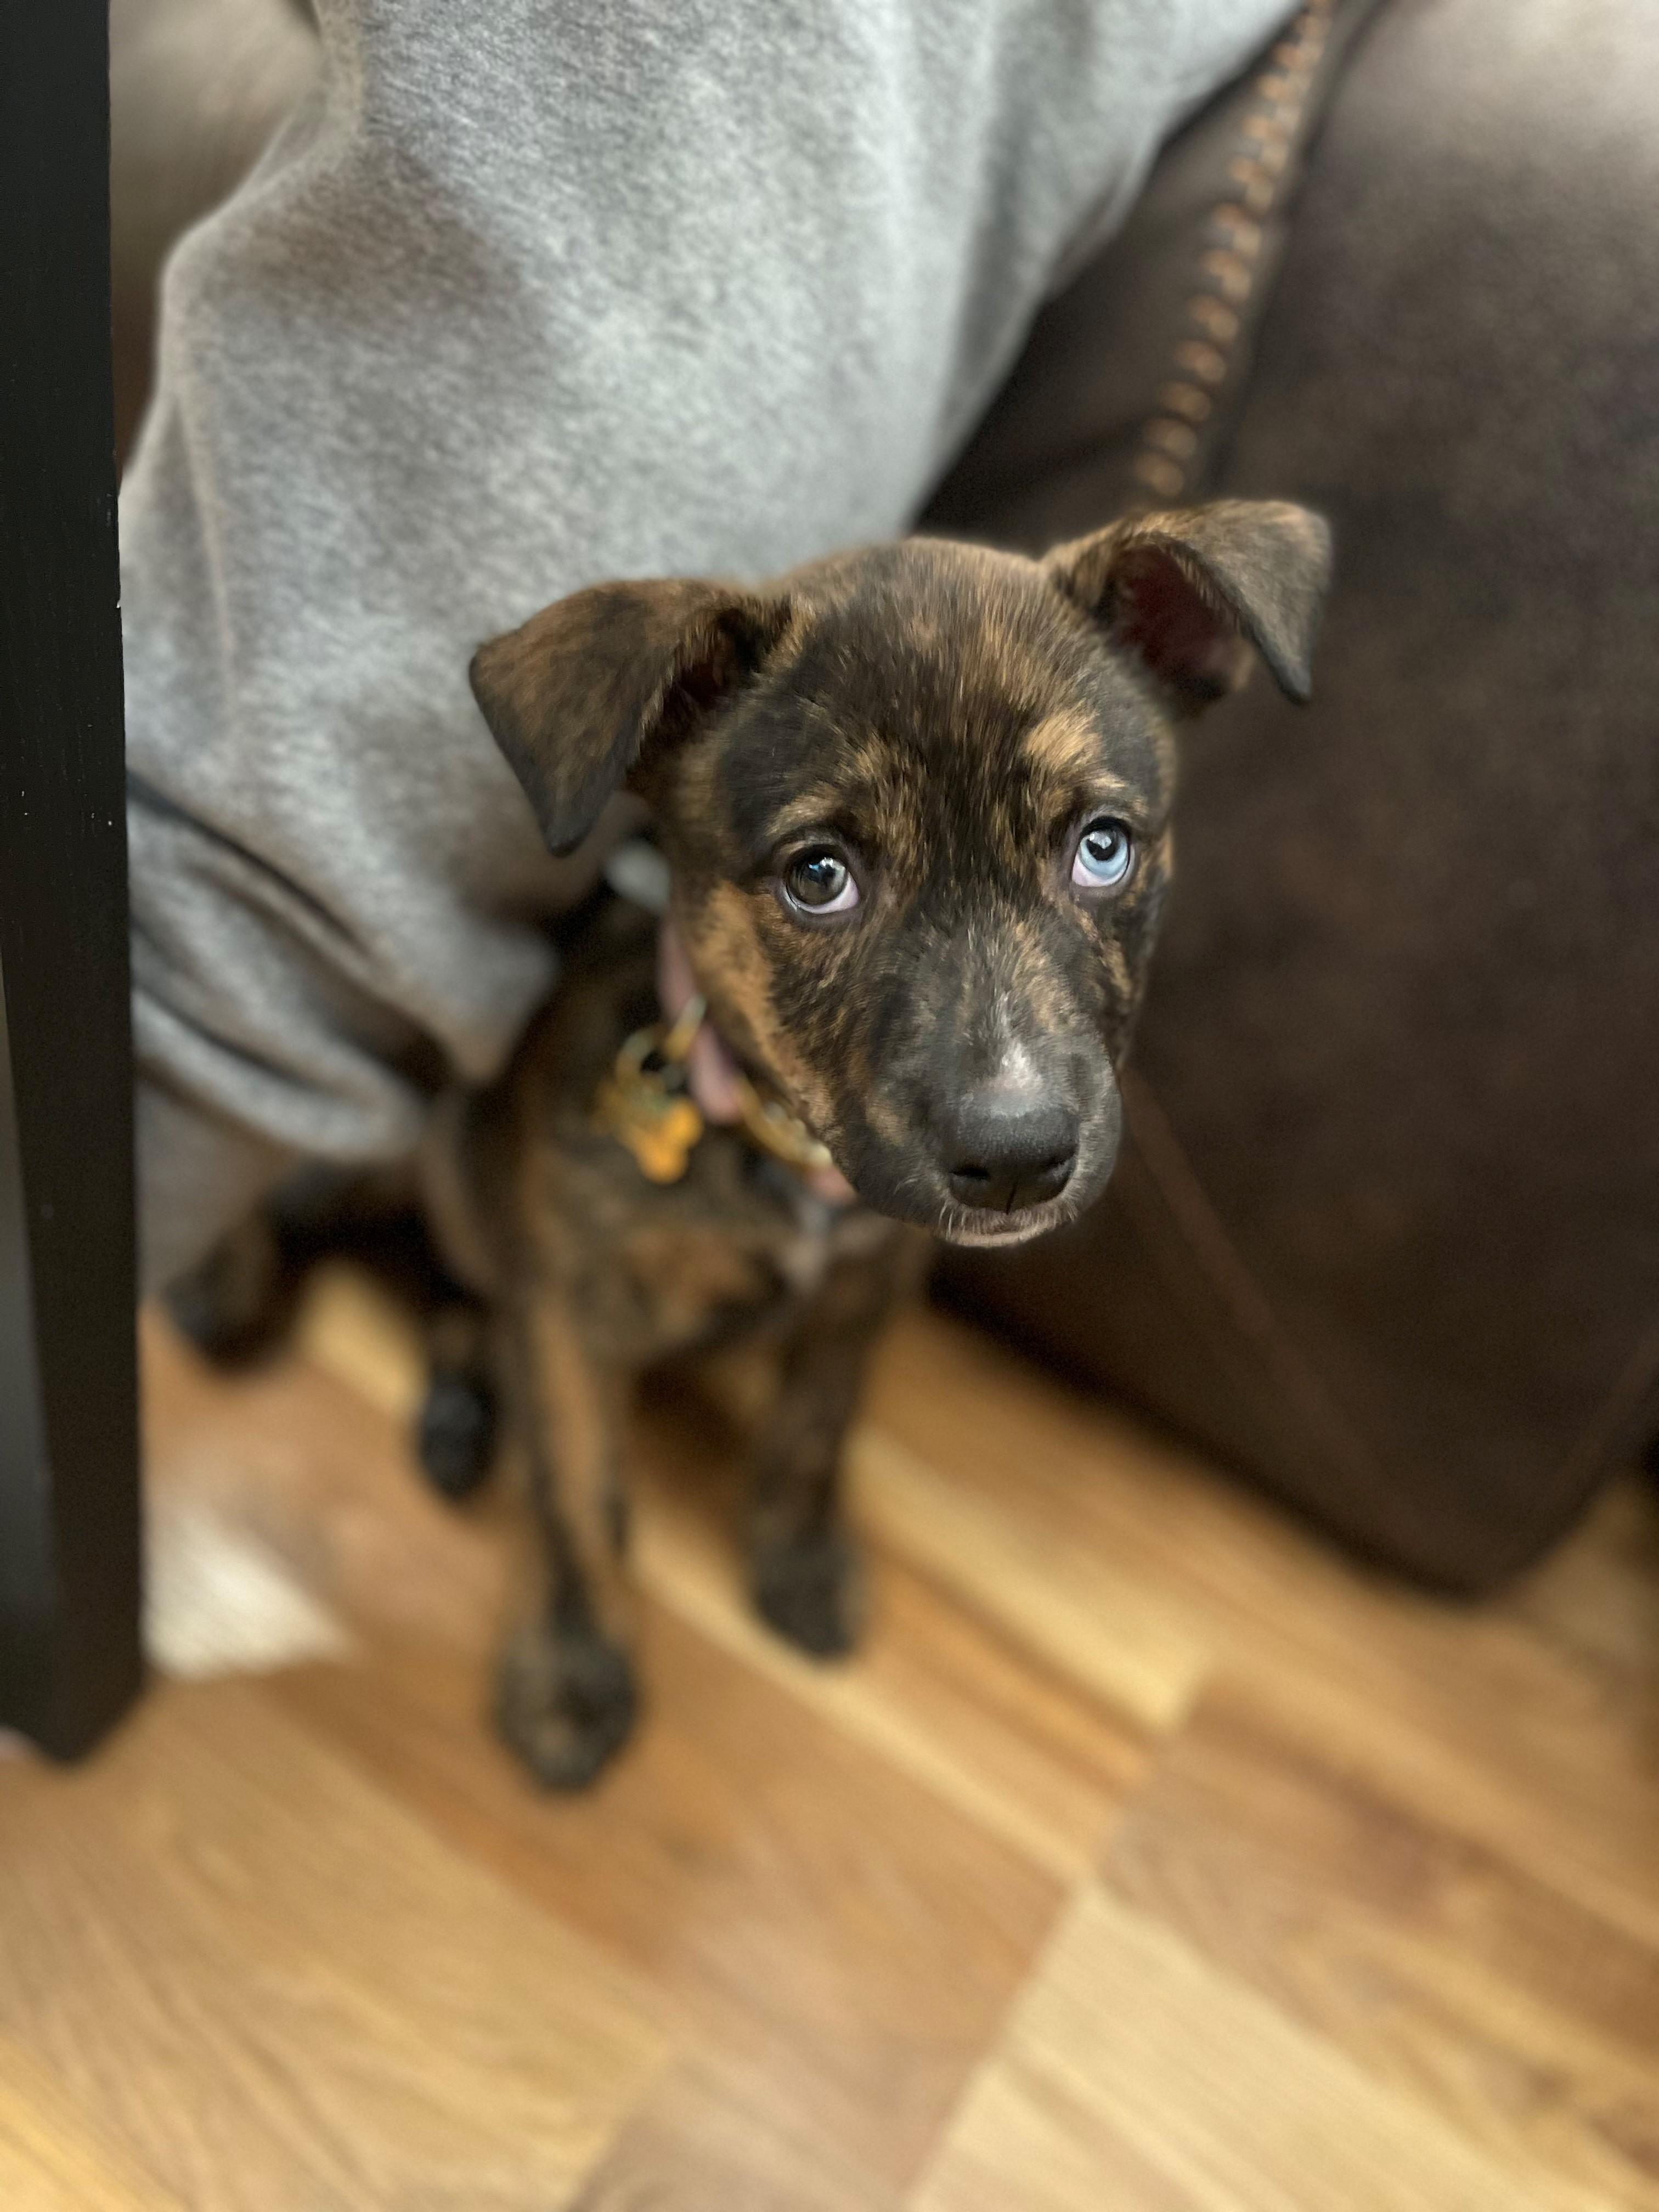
(720, 937)
(1068, 745)
(1117, 967)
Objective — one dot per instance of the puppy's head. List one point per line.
(916, 804)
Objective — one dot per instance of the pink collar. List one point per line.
(711, 1072)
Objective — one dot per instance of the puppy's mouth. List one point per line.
(981, 1231)
(916, 1197)
(894, 1180)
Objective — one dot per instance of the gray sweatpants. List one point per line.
(533, 292)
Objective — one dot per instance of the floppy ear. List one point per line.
(575, 696)
(1188, 593)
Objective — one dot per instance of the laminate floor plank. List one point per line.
(1150, 1857)
(701, 2145)
(1470, 1714)
(53, 2158)
(1136, 2075)
(274, 1987)
(848, 1941)
(1514, 2013)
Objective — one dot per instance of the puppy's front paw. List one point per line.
(566, 1703)
(810, 1589)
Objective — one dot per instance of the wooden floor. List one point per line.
(1151, 1860)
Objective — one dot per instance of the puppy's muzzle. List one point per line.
(1004, 1154)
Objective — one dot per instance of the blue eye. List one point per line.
(1105, 854)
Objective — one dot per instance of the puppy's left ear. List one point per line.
(578, 695)
(1188, 593)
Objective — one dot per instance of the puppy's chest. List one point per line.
(739, 1245)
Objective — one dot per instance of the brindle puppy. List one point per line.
(915, 803)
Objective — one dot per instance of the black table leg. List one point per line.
(69, 1483)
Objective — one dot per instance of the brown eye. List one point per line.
(819, 881)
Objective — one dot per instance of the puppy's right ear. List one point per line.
(582, 693)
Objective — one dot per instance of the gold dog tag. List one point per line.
(644, 1103)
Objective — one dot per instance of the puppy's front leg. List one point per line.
(455, 1436)
(566, 1699)
(803, 1567)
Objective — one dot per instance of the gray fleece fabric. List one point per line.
(531, 294)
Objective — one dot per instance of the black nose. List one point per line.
(1005, 1152)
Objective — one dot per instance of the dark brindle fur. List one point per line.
(945, 721)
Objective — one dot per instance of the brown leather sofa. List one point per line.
(1386, 1232)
